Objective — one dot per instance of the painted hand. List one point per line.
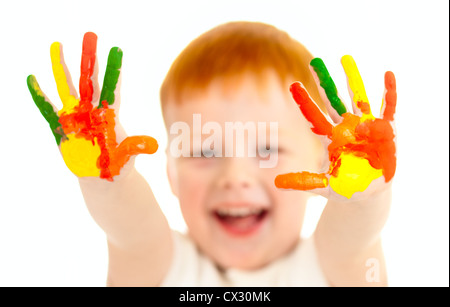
(90, 139)
(361, 148)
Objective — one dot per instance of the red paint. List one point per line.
(310, 110)
(390, 97)
(381, 147)
(363, 106)
(87, 67)
(97, 124)
(371, 139)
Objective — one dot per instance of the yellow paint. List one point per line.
(365, 117)
(354, 175)
(69, 101)
(81, 156)
(356, 84)
(36, 87)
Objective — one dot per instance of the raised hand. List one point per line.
(361, 148)
(90, 139)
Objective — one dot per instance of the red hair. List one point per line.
(231, 49)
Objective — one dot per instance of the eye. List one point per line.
(203, 158)
(208, 153)
(280, 150)
(203, 153)
(268, 149)
(265, 151)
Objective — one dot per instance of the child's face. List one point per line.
(232, 209)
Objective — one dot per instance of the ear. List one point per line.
(172, 174)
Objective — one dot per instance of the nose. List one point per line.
(237, 173)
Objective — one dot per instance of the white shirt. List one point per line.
(191, 268)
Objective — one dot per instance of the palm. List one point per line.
(85, 128)
(361, 148)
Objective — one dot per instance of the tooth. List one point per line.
(222, 212)
(246, 211)
(239, 212)
(256, 211)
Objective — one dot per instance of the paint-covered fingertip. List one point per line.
(31, 79)
(389, 80)
(151, 145)
(347, 58)
(115, 58)
(295, 87)
(55, 51)
(299, 93)
(116, 51)
(280, 181)
(90, 35)
(390, 96)
(33, 85)
(55, 46)
(317, 62)
(90, 43)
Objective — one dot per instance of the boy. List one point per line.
(242, 229)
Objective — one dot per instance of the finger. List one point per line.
(63, 80)
(390, 97)
(88, 63)
(301, 181)
(320, 125)
(110, 89)
(357, 91)
(327, 89)
(46, 108)
(135, 145)
(96, 94)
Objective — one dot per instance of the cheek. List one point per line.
(290, 213)
(303, 157)
(290, 202)
(285, 202)
(192, 192)
(288, 206)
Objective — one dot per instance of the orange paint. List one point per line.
(372, 140)
(363, 106)
(86, 133)
(98, 124)
(390, 96)
(301, 181)
(362, 148)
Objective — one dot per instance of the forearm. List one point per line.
(125, 209)
(138, 234)
(348, 235)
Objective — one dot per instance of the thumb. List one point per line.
(135, 145)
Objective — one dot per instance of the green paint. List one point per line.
(45, 108)
(112, 74)
(328, 85)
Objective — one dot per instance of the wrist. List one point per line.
(355, 224)
(103, 185)
(369, 197)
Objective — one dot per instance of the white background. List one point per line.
(47, 237)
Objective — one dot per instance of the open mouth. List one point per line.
(241, 220)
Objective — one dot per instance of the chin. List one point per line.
(242, 261)
(252, 258)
